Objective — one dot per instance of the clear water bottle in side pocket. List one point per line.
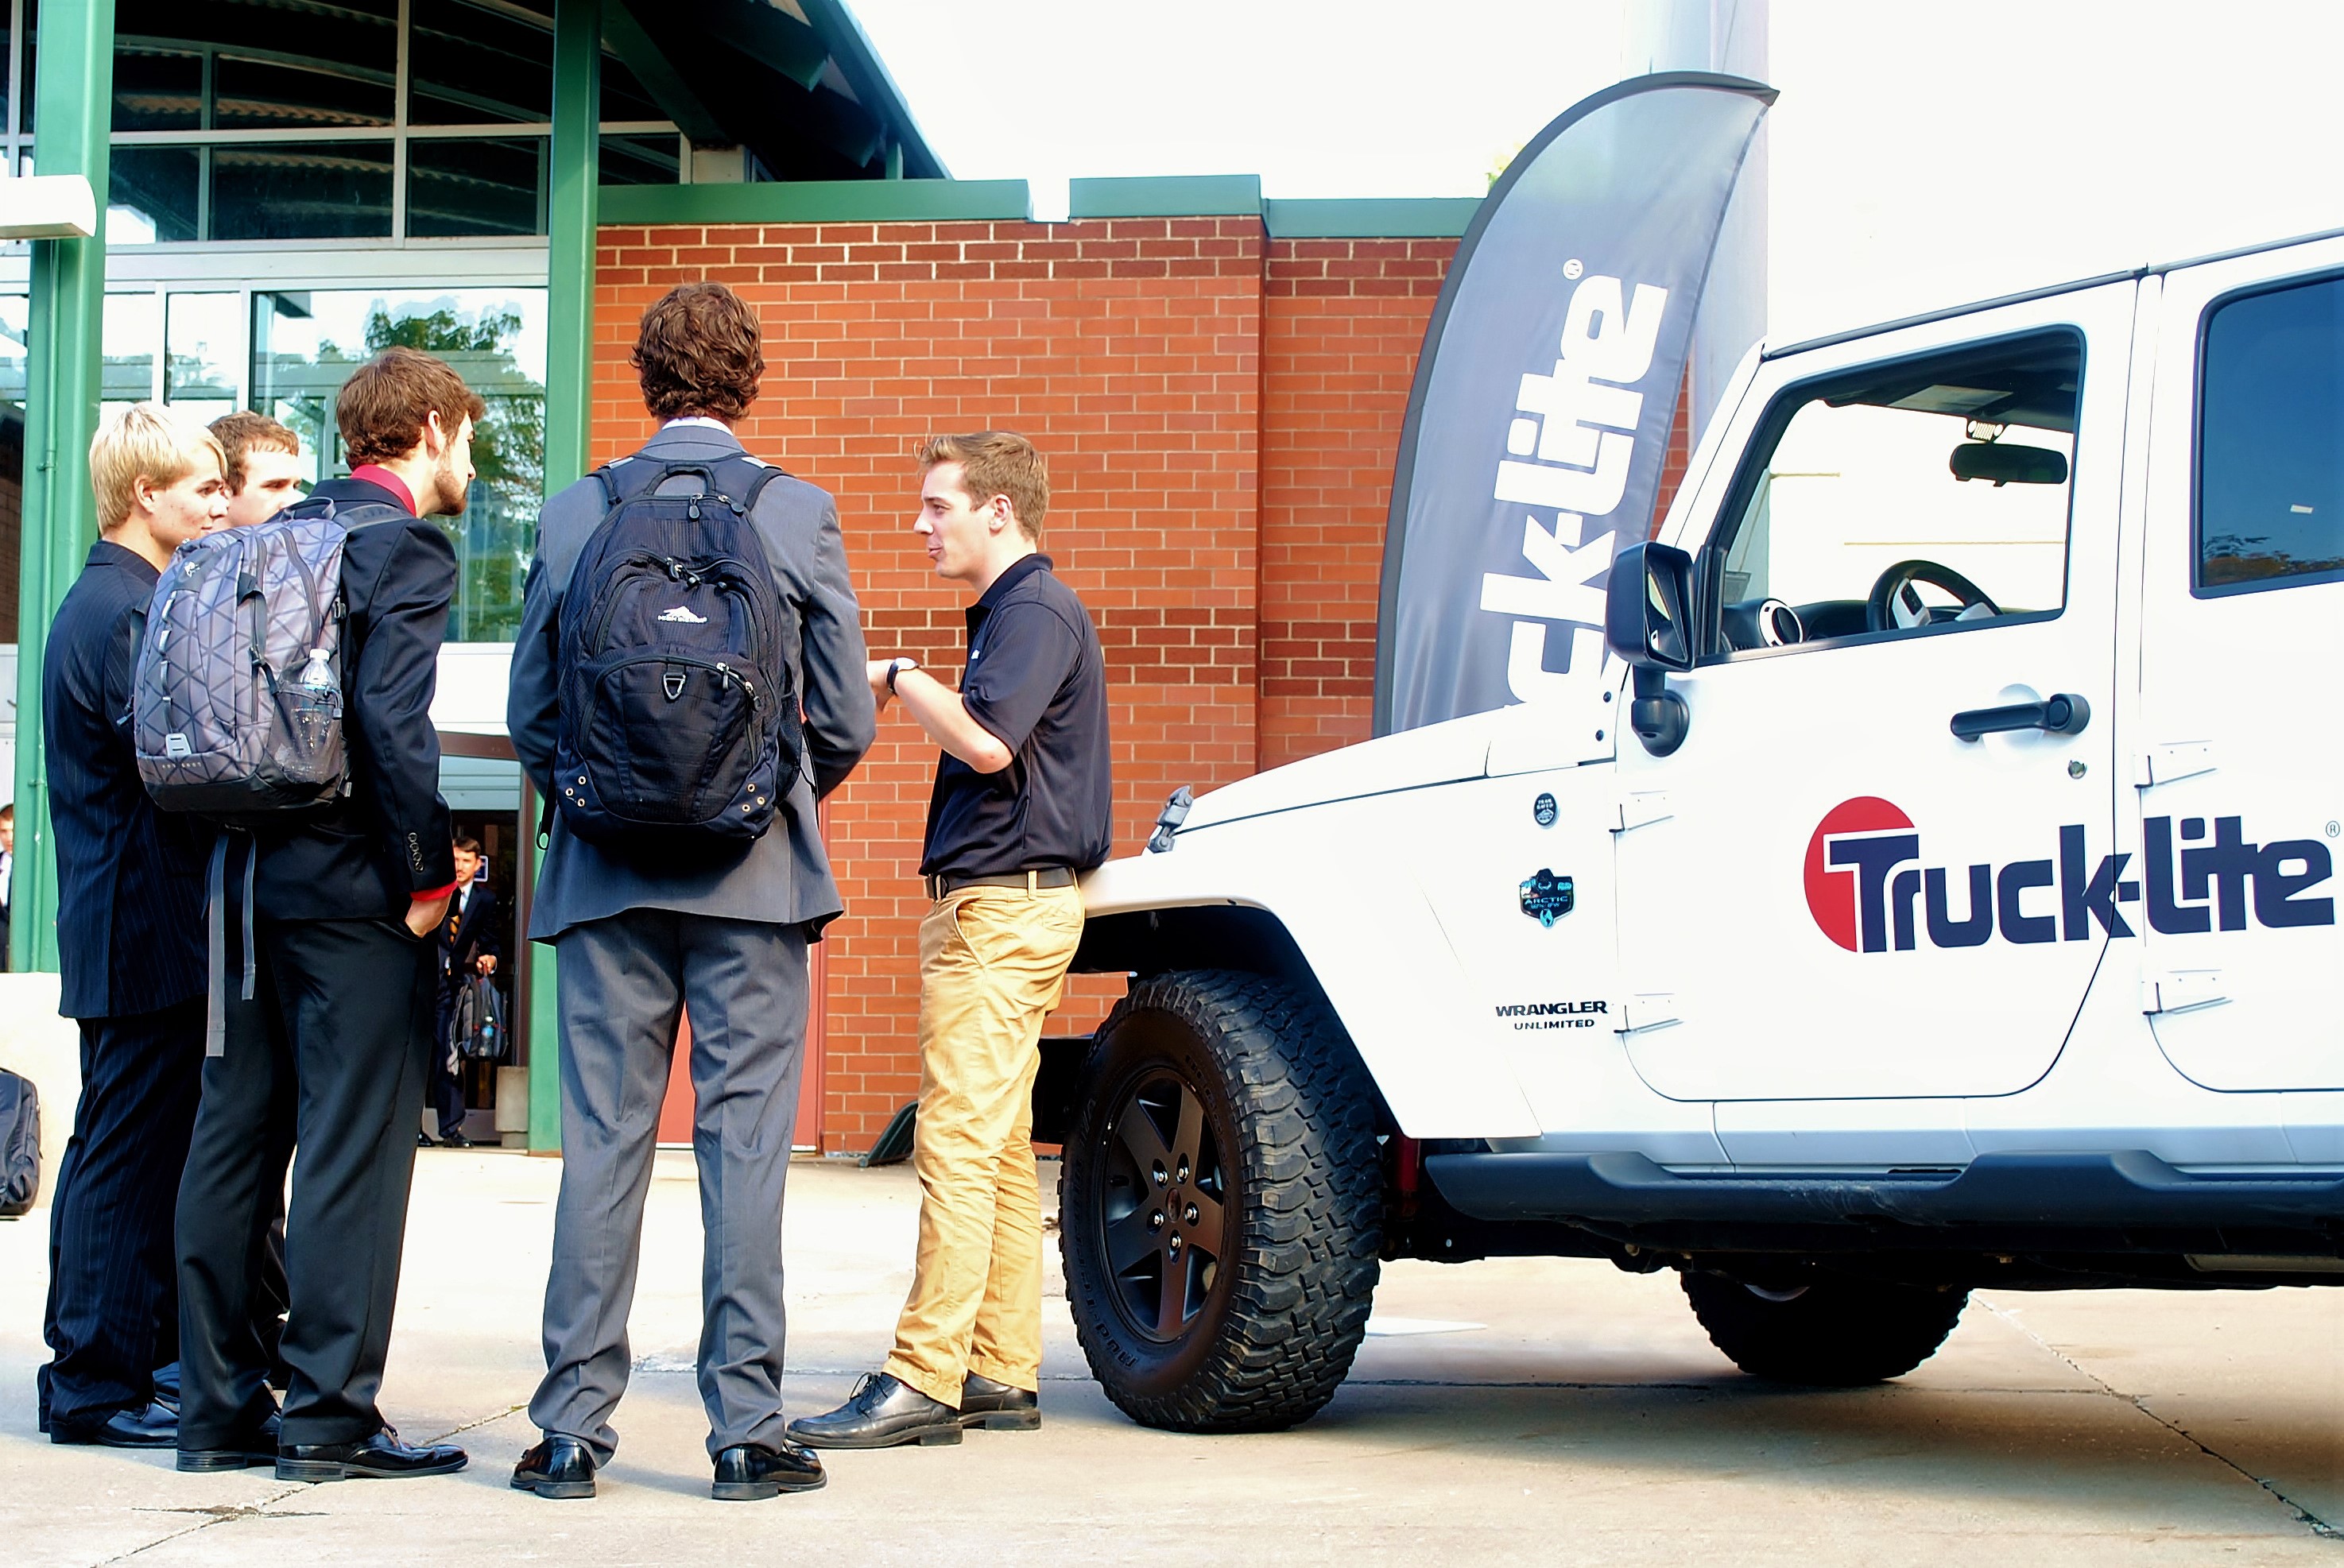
(313, 711)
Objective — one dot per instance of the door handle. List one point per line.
(2063, 714)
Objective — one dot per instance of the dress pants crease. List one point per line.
(111, 1315)
(231, 1266)
(354, 999)
(626, 982)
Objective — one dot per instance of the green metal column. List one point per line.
(73, 112)
(569, 413)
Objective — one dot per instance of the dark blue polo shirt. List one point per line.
(1036, 680)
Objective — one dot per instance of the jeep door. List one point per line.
(1826, 893)
(2240, 771)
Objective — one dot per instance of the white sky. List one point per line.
(1925, 152)
(1319, 97)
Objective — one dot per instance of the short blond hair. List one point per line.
(148, 441)
(996, 462)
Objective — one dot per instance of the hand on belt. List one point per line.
(1031, 881)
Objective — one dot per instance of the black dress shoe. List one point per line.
(750, 1471)
(557, 1466)
(882, 1412)
(455, 1139)
(257, 1446)
(423, 1141)
(152, 1426)
(381, 1457)
(998, 1407)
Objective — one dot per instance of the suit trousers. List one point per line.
(625, 983)
(352, 1000)
(447, 1083)
(231, 1249)
(993, 967)
(111, 1318)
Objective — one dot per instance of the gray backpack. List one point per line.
(237, 691)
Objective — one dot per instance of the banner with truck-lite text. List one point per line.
(1544, 397)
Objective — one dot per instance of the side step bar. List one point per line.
(2132, 1188)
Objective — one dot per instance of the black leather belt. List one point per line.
(1032, 881)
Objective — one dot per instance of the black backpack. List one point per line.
(20, 1144)
(679, 724)
(476, 1028)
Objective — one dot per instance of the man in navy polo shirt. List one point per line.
(1023, 804)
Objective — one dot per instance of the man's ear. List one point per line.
(142, 492)
(435, 434)
(1005, 515)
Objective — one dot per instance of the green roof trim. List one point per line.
(817, 201)
(1419, 217)
(1158, 196)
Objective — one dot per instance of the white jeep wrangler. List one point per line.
(1932, 889)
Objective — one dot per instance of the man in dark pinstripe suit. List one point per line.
(130, 945)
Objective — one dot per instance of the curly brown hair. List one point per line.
(697, 354)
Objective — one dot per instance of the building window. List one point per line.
(245, 120)
(306, 344)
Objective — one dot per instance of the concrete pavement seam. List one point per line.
(2310, 1520)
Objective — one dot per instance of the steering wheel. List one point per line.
(1894, 606)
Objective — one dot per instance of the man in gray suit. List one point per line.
(643, 935)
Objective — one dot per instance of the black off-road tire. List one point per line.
(1834, 1334)
(1281, 1190)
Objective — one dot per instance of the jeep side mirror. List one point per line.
(1648, 622)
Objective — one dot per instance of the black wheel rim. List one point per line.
(1164, 1214)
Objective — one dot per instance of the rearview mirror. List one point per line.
(1647, 617)
(2005, 464)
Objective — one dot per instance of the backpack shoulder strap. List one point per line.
(766, 474)
(356, 515)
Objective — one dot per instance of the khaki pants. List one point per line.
(993, 965)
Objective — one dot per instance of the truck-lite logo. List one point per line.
(1571, 441)
(1868, 894)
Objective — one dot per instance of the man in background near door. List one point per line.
(1023, 804)
(349, 896)
(264, 473)
(130, 949)
(469, 946)
(641, 937)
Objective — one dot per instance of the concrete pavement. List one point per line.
(1501, 1411)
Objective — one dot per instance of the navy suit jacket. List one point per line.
(475, 933)
(364, 856)
(783, 878)
(130, 878)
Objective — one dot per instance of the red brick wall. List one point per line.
(1220, 411)
(1342, 324)
(1130, 351)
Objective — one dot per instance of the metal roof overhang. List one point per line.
(796, 82)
